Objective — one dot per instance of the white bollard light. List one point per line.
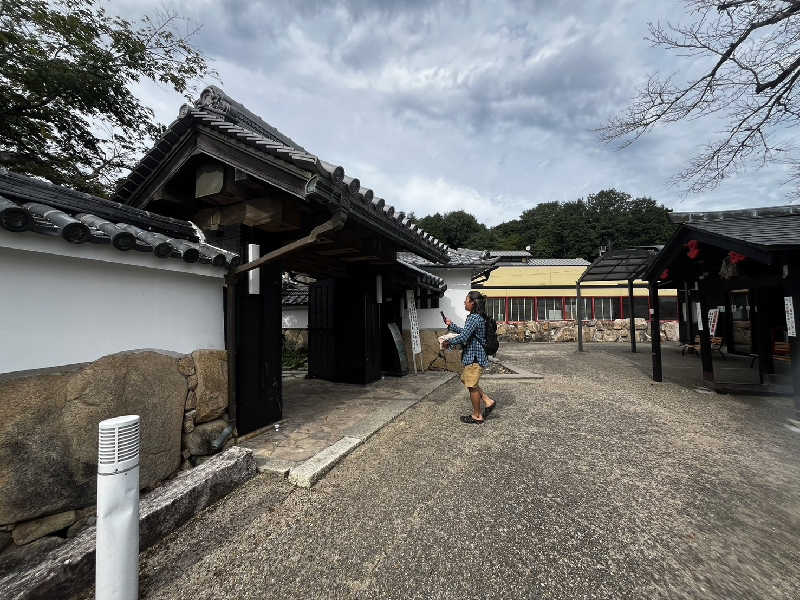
(117, 546)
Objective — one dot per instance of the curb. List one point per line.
(70, 568)
(307, 473)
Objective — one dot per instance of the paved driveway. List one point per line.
(591, 483)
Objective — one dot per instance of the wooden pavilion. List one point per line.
(738, 276)
(255, 191)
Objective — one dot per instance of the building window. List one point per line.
(668, 308)
(571, 308)
(550, 309)
(496, 308)
(641, 307)
(604, 308)
(520, 309)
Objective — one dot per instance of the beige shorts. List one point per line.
(471, 375)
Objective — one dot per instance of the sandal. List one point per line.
(488, 409)
(469, 419)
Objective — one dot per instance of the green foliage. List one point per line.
(562, 230)
(67, 112)
(294, 357)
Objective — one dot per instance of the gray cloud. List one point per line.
(487, 106)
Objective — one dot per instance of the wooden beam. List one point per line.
(334, 223)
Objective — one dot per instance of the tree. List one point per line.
(453, 228)
(752, 50)
(67, 112)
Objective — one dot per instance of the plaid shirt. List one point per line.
(473, 349)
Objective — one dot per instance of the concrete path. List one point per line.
(324, 421)
(592, 483)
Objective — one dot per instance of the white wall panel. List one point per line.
(57, 310)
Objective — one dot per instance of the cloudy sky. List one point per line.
(485, 106)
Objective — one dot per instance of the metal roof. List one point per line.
(218, 111)
(621, 264)
(28, 204)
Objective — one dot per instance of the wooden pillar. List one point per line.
(705, 340)
(795, 346)
(763, 340)
(579, 315)
(632, 315)
(655, 332)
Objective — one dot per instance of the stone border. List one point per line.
(519, 374)
(313, 469)
(69, 569)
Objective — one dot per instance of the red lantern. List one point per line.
(735, 257)
(694, 249)
(664, 275)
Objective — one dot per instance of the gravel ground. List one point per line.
(591, 483)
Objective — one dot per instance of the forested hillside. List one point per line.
(561, 229)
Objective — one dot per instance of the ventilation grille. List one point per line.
(118, 447)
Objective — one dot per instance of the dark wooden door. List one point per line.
(321, 329)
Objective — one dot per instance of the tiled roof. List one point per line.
(764, 211)
(770, 231)
(510, 253)
(424, 277)
(558, 262)
(294, 294)
(459, 258)
(28, 204)
(217, 110)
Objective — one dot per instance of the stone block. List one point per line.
(188, 421)
(212, 384)
(48, 429)
(68, 569)
(191, 400)
(18, 557)
(186, 366)
(28, 531)
(80, 525)
(198, 442)
(307, 473)
(191, 381)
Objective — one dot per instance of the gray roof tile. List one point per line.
(28, 204)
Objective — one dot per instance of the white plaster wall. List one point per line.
(452, 303)
(295, 317)
(57, 310)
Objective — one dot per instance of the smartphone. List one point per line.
(441, 312)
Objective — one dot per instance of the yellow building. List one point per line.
(523, 288)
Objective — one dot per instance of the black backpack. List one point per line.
(492, 343)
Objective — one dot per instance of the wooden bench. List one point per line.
(716, 344)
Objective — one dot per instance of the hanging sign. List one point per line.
(416, 345)
(713, 317)
(790, 322)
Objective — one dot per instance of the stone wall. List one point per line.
(617, 330)
(296, 338)
(48, 436)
